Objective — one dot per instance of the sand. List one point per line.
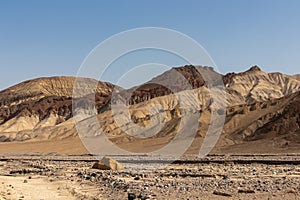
(12, 187)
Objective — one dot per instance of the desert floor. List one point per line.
(61, 176)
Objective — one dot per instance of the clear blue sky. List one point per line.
(47, 38)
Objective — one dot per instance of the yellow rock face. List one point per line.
(108, 164)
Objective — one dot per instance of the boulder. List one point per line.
(108, 164)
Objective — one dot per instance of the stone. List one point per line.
(108, 164)
(247, 191)
(131, 196)
(222, 194)
(291, 191)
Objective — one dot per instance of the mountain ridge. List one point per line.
(46, 112)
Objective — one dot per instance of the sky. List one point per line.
(41, 38)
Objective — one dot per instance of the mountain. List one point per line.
(249, 86)
(267, 126)
(43, 102)
(256, 85)
(262, 111)
(174, 80)
(259, 106)
(297, 77)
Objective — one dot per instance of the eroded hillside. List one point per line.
(260, 107)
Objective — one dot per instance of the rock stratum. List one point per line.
(262, 110)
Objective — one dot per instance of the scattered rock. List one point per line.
(247, 191)
(131, 196)
(222, 194)
(291, 191)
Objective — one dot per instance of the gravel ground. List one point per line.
(72, 177)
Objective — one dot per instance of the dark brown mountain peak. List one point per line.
(254, 69)
(174, 80)
(192, 68)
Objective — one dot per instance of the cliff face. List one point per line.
(260, 107)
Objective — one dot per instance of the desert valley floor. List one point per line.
(61, 176)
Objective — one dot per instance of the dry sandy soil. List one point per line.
(54, 176)
(35, 188)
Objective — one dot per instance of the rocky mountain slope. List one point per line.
(297, 77)
(256, 85)
(262, 108)
(249, 86)
(43, 102)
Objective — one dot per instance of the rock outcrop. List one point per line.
(108, 164)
